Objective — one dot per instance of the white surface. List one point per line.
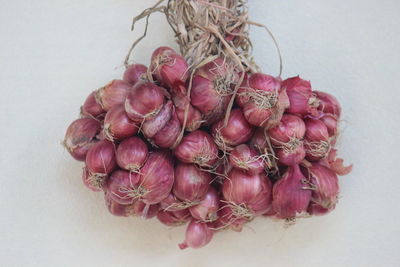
(53, 53)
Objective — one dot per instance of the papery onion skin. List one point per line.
(290, 127)
(144, 101)
(173, 218)
(259, 140)
(251, 190)
(191, 184)
(197, 147)
(91, 107)
(332, 126)
(100, 158)
(237, 130)
(169, 67)
(182, 102)
(300, 96)
(86, 181)
(291, 195)
(206, 100)
(135, 73)
(168, 135)
(198, 234)
(326, 186)
(156, 178)
(117, 125)
(212, 88)
(317, 141)
(246, 158)
(258, 96)
(194, 118)
(206, 210)
(328, 104)
(114, 93)
(132, 154)
(151, 127)
(119, 184)
(256, 116)
(318, 210)
(291, 157)
(117, 209)
(145, 211)
(226, 218)
(337, 164)
(171, 203)
(81, 136)
(222, 170)
(257, 82)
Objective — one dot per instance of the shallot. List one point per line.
(198, 234)
(131, 154)
(144, 101)
(114, 93)
(81, 136)
(197, 147)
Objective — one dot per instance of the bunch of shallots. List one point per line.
(157, 144)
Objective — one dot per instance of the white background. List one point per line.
(54, 53)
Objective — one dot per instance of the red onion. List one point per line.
(291, 194)
(197, 147)
(171, 203)
(236, 132)
(287, 137)
(331, 124)
(328, 104)
(101, 157)
(86, 178)
(248, 195)
(91, 107)
(144, 101)
(135, 73)
(315, 209)
(173, 218)
(316, 139)
(120, 184)
(326, 186)
(81, 136)
(291, 127)
(198, 234)
(114, 93)
(291, 153)
(152, 126)
(227, 217)
(182, 102)
(258, 95)
(246, 158)
(167, 136)
(206, 210)
(270, 213)
(117, 125)
(194, 118)
(168, 67)
(300, 96)
(131, 154)
(100, 161)
(212, 88)
(191, 184)
(156, 178)
(117, 209)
